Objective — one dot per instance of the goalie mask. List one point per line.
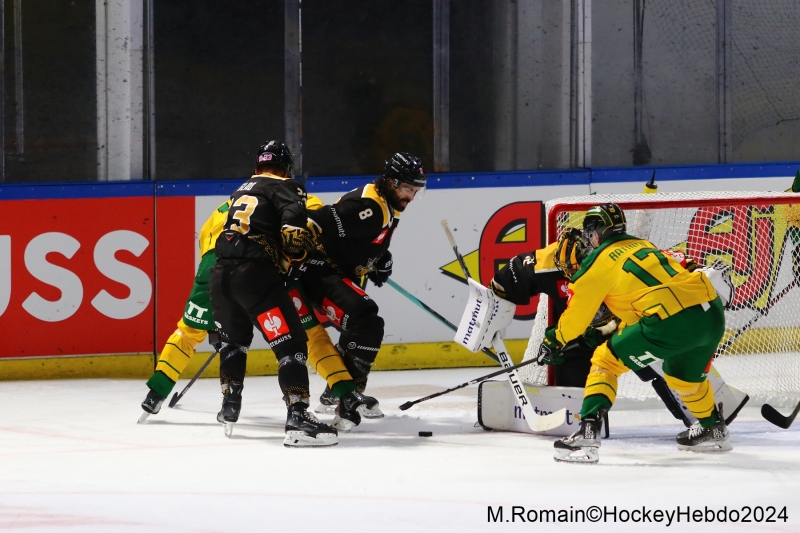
(571, 251)
(604, 220)
(275, 154)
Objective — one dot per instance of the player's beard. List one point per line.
(395, 201)
(386, 190)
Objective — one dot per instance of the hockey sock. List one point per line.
(326, 359)
(174, 358)
(232, 363)
(293, 379)
(697, 397)
(343, 387)
(593, 404)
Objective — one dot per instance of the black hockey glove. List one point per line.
(382, 269)
(550, 350)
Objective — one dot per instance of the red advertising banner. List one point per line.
(76, 276)
(175, 264)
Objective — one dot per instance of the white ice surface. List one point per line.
(72, 458)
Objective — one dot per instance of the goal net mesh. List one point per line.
(758, 234)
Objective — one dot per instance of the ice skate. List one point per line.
(698, 439)
(151, 405)
(348, 413)
(231, 405)
(303, 429)
(583, 445)
(327, 402)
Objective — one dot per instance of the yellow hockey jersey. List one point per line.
(212, 228)
(634, 279)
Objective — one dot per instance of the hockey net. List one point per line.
(758, 234)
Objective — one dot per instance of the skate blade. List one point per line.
(583, 455)
(366, 412)
(144, 417)
(323, 409)
(707, 447)
(342, 424)
(299, 439)
(228, 429)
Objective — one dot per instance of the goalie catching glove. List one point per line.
(485, 316)
(382, 269)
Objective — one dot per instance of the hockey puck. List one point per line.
(426, 433)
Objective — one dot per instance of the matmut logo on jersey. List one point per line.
(512, 230)
(273, 323)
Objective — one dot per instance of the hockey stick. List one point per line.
(177, 397)
(406, 405)
(537, 423)
(773, 416)
(433, 313)
(761, 313)
(455, 248)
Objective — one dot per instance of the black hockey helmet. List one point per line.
(571, 251)
(403, 167)
(275, 153)
(606, 220)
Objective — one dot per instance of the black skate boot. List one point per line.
(582, 446)
(151, 405)
(348, 413)
(712, 439)
(231, 405)
(303, 429)
(327, 402)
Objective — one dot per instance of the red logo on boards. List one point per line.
(273, 323)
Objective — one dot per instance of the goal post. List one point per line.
(758, 235)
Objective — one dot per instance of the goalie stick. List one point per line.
(537, 423)
(177, 397)
(773, 416)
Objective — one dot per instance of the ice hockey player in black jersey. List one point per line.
(546, 271)
(353, 241)
(264, 242)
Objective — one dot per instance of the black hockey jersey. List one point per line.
(259, 208)
(529, 274)
(356, 230)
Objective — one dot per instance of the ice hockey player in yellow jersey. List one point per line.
(196, 323)
(667, 313)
